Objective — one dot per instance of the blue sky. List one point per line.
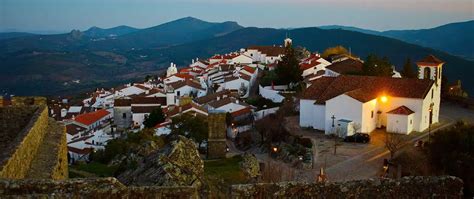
(65, 15)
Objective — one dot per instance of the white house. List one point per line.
(240, 84)
(241, 59)
(93, 119)
(229, 104)
(400, 105)
(187, 88)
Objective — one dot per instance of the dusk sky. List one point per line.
(64, 15)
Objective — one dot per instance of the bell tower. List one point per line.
(430, 67)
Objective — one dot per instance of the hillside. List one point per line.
(316, 39)
(97, 32)
(454, 38)
(52, 64)
(10, 35)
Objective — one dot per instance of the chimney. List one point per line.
(192, 61)
(63, 112)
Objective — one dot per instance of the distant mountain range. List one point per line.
(52, 64)
(454, 38)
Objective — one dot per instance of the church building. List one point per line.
(347, 104)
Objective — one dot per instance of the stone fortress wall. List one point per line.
(34, 146)
(104, 188)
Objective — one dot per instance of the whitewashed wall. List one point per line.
(270, 94)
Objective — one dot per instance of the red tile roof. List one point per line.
(184, 76)
(149, 100)
(430, 60)
(249, 69)
(346, 66)
(364, 88)
(191, 83)
(308, 65)
(90, 118)
(184, 108)
(269, 50)
(246, 110)
(73, 129)
(402, 110)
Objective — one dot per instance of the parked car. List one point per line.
(358, 137)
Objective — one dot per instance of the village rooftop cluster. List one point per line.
(332, 101)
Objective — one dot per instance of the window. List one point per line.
(411, 121)
(178, 93)
(124, 115)
(427, 73)
(372, 114)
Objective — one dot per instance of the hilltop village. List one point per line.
(260, 114)
(332, 98)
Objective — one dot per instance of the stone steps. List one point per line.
(50, 161)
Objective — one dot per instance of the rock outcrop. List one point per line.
(177, 164)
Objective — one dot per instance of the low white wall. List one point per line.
(270, 94)
(262, 113)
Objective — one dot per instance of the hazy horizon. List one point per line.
(56, 16)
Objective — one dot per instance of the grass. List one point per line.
(221, 174)
(96, 168)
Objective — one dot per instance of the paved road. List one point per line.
(368, 164)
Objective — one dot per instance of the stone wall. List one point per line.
(21, 151)
(33, 145)
(88, 188)
(29, 101)
(407, 187)
(217, 135)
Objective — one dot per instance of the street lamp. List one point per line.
(333, 118)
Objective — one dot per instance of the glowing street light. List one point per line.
(275, 149)
(384, 99)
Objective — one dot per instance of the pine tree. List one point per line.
(156, 116)
(408, 71)
(374, 66)
(288, 70)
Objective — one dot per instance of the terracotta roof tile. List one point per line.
(191, 83)
(401, 110)
(90, 118)
(122, 102)
(365, 88)
(430, 60)
(346, 66)
(211, 97)
(269, 50)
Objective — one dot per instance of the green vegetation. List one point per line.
(288, 69)
(194, 127)
(408, 70)
(132, 142)
(156, 116)
(451, 152)
(228, 170)
(262, 103)
(96, 168)
(337, 50)
(375, 66)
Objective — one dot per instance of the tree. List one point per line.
(337, 50)
(451, 152)
(288, 69)
(271, 129)
(156, 116)
(393, 142)
(408, 71)
(194, 127)
(375, 66)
